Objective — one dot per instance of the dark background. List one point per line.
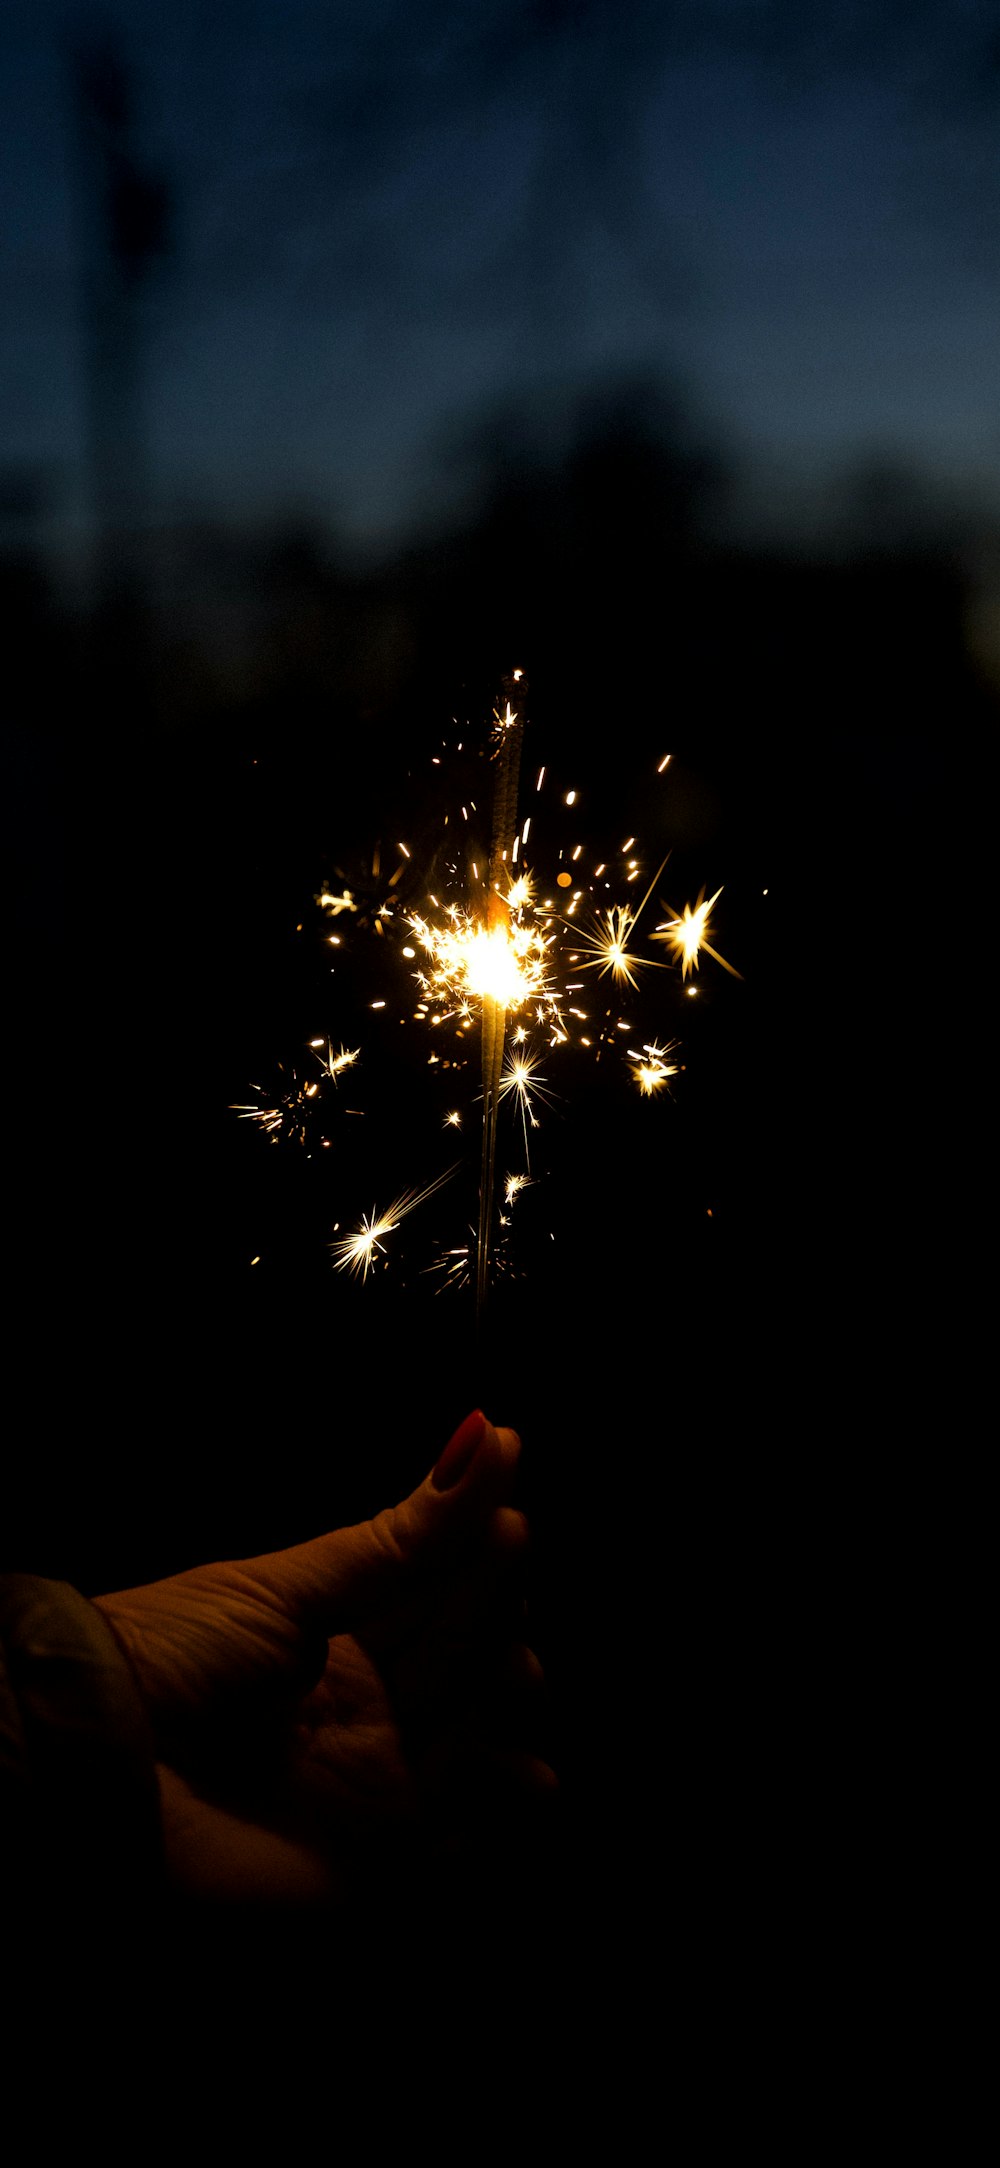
(220, 689)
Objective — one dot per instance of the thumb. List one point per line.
(338, 1582)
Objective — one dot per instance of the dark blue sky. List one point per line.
(390, 221)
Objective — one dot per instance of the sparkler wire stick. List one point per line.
(505, 791)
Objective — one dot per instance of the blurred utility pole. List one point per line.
(124, 225)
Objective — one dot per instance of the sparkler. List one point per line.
(510, 728)
(492, 949)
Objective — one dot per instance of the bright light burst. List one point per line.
(608, 942)
(333, 1065)
(520, 1076)
(357, 1252)
(506, 961)
(472, 961)
(521, 892)
(651, 1068)
(688, 935)
(508, 719)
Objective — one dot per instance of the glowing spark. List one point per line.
(520, 1075)
(608, 944)
(652, 1067)
(336, 904)
(287, 1117)
(335, 1063)
(689, 935)
(269, 1117)
(356, 1253)
(456, 1265)
(521, 892)
(514, 1185)
(664, 763)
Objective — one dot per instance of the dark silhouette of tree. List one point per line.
(124, 219)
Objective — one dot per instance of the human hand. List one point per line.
(326, 1713)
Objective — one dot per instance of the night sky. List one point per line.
(384, 223)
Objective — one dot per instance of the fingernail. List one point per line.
(459, 1451)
